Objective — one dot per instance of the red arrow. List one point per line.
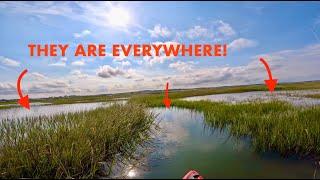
(166, 100)
(271, 83)
(24, 100)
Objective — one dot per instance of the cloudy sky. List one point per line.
(287, 35)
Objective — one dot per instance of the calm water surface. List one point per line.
(44, 110)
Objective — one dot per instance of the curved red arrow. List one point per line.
(24, 100)
(271, 83)
(166, 100)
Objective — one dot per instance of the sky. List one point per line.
(286, 34)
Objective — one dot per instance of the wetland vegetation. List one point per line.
(73, 145)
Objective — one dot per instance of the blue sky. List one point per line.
(286, 34)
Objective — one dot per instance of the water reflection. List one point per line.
(132, 173)
(185, 142)
(17, 113)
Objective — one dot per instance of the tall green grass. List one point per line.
(274, 125)
(72, 145)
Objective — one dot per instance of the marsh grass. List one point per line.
(316, 96)
(72, 145)
(273, 125)
(6, 107)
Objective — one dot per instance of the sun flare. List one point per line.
(118, 17)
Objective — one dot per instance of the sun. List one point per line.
(118, 17)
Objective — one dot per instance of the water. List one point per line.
(36, 110)
(185, 142)
(294, 97)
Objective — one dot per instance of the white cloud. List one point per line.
(58, 64)
(6, 88)
(82, 34)
(242, 43)
(225, 28)
(107, 71)
(287, 66)
(79, 74)
(159, 31)
(9, 62)
(198, 31)
(38, 76)
(49, 86)
(61, 63)
(212, 31)
(78, 63)
(157, 59)
(132, 73)
(294, 65)
(182, 66)
(53, 84)
(125, 63)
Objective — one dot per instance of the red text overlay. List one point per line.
(136, 50)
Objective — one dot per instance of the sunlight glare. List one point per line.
(118, 17)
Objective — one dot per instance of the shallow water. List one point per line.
(185, 142)
(294, 97)
(36, 110)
